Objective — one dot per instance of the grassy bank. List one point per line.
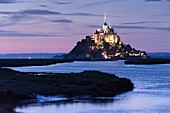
(16, 86)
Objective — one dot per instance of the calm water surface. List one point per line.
(151, 93)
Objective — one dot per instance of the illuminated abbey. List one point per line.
(104, 44)
(107, 34)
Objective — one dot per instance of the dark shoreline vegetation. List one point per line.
(147, 61)
(17, 86)
(30, 62)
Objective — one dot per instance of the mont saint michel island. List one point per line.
(104, 44)
(69, 56)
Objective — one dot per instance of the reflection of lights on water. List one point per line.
(29, 57)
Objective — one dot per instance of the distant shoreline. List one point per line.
(147, 61)
(50, 61)
(30, 62)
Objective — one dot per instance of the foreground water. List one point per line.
(151, 93)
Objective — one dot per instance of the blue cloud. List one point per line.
(101, 2)
(43, 5)
(131, 27)
(6, 12)
(81, 14)
(121, 27)
(48, 12)
(56, 2)
(164, 14)
(4, 23)
(15, 18)
(134, 27)
(62, 3)
(7, 1)
(18, 16)
(33, 12)
(153, 0)
(143, 22)
(62, 21)
(164, 28)
(141, 27)
(40, 12)
(18, 34)
(94, 26)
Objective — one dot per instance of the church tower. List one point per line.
(106, 28)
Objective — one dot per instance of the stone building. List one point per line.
(104, 44)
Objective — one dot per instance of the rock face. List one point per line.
(104, 44)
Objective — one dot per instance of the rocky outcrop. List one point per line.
(104, 44)
(105, 51)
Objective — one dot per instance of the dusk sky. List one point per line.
(36, 26)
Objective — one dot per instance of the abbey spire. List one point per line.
(106, 28)
(105, 23)
(105, 17)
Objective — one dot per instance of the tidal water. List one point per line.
(150, 95)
